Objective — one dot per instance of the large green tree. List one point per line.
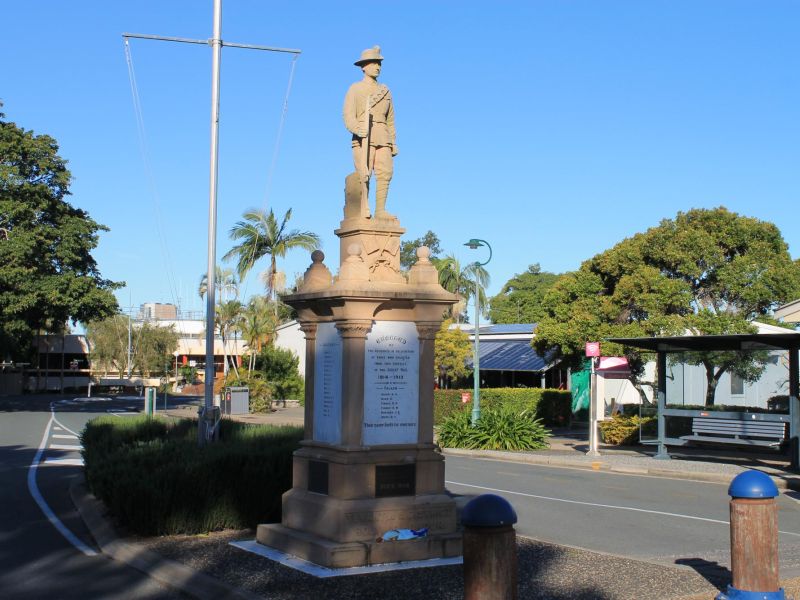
(258, 235)
(520, 299)
(408, 249)
(707, 271)
(151, 350)
(47, 272)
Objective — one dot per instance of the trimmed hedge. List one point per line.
(155, 480)
(623, 430)
(553, 407)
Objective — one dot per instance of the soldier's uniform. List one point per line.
(381, 134)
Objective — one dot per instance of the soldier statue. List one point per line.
(369, 116)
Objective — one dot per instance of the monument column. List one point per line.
(310, 331)
(427, 331)
(354, 335)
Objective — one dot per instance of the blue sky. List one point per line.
(552, 129)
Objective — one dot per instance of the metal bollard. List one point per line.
(150, 401)
(754, 539)
(490, 549)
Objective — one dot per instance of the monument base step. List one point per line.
(336, 555)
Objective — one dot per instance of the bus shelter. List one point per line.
(774, 353)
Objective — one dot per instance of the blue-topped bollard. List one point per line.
(490, 549)
(754, 539)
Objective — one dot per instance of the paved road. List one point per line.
(38, 561)
(667, 521)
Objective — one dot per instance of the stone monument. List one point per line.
(367, 463)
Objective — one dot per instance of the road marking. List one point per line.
(65, 436)
(57, 429)
(596, 505)
(57, 422)
(67, 447)
(37, 495)
(63, 462)
(121, 413)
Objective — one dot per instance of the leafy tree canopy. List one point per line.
(408, 249)
(520, 299)
(152, 346)
(47, 274)
(707, 271)
(451, 351)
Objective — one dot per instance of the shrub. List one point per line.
(155, 480)
(260, 391)
(553, 407)
(280, 368)
(623, 430)
(496, 429)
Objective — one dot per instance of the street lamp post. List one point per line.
(473, 244)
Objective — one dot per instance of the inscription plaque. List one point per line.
(318, 477)
(395, 480)
(328, 385)
(391, 384)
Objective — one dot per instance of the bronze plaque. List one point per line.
(318, 477)
(395, 480)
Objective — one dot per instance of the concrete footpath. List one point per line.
(209, 567)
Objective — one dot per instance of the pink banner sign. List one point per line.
(592, 348)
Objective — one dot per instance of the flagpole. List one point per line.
(207, 417)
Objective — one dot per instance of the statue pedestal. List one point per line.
(380, 240)
(367, 464)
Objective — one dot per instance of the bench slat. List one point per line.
(728, 431)
(722, 440)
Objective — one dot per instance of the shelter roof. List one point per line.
(743, 341)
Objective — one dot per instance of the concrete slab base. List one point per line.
(323, 572)
(338, 555)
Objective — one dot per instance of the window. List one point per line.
(737, 385)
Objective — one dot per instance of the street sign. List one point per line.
(592, 349)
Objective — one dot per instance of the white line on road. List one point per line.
(63, 462)
(37, 495)
(612, 506)
(57, 422)
(67, 447)
(65, 436)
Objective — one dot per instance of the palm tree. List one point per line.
(259, 235)
(257, 326)
(228, 317)
(225, 284)
(461, 281)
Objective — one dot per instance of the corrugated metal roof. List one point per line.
(508, 328)
(511, 355)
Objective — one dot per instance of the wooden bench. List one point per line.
(731, 431)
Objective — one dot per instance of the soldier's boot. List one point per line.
(381, 191)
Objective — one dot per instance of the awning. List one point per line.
(613, 363)
(742, 341)
(510, 355)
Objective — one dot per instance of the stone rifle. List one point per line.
(365, 151)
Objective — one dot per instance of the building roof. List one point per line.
(510, 355)
(508, 328)
(789, 312)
